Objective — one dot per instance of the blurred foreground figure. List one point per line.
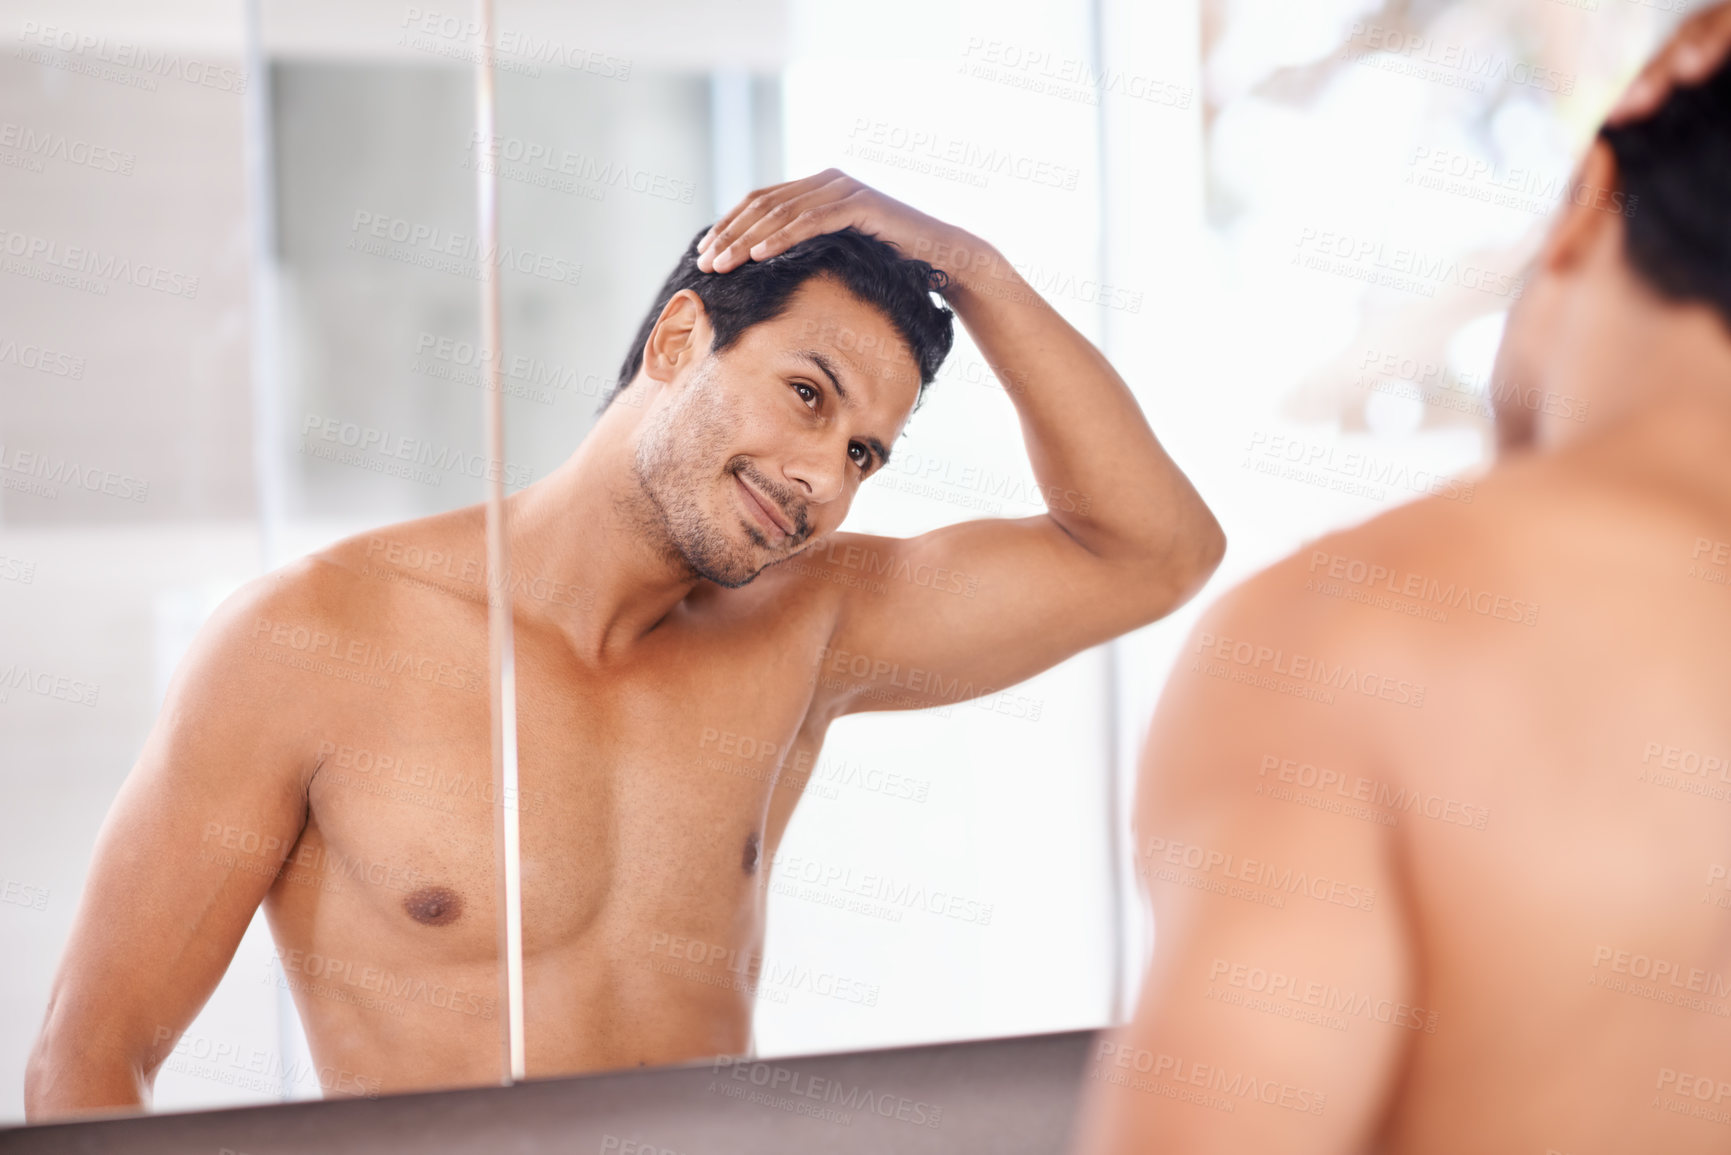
(1436, 814)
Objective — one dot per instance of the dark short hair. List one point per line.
(1675, 169)
(874, 271)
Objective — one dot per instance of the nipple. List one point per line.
(434, 906)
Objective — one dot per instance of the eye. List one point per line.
(864, 460)
(809, 389)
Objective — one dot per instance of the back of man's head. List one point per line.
(871, 270)
(1674, 168)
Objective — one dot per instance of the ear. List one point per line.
(1586, 212)
(680, 338)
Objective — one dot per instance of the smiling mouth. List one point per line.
(765, 509)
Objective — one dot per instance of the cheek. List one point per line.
(753, 422)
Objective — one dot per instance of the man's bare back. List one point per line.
(1465, 876)
(1434, 813)
(1574, 950)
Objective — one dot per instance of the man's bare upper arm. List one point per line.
(188, 850)
(1281, 995)
(974, 607)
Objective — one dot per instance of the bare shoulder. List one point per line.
(1347, 642)
(443, 554)
(304, 597)
(267, 632)
(1551, 574)
(1554, 529)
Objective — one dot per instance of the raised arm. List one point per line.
(191, 845)
(1125, 539)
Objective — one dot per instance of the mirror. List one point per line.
(242, 229)
(759, 819)
(708, 866)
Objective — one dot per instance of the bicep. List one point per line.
(971, 608)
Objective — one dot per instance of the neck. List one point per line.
(1646, 358)
(588, 553)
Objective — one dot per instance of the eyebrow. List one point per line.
(823, 363)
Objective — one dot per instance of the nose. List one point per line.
(819, 472)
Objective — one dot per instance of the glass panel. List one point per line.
(709, 866)
(251, 838)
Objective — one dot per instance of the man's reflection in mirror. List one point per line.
(682, 591)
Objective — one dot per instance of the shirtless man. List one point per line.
(1434, 815)
(684, 606)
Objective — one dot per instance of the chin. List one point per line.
(722, 561)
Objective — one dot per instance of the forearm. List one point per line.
(1105, 476)
(65, 1079)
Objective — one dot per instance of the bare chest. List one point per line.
(649, 797)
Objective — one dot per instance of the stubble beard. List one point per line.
(669, 467)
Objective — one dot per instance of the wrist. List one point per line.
(957, 253)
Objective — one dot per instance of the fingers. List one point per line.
(785, 224)
(825, 217)
(761, 197)
(1693, 54)
(777, 221)
(792, 187)
(765, 214)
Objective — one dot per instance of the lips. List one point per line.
(770, 511)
